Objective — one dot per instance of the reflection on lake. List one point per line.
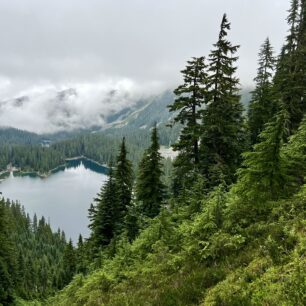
(63, 198)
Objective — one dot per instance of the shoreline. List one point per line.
(6, 173)
(87, 158)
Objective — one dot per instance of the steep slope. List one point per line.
(183, 261)
(138, 123)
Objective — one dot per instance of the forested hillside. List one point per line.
(231, 230)
(30, 158)
(15, 136)
(41, 153)
(34, 261)
(27, 150)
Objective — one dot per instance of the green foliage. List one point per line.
(80, 254)
(97, 147)
(222, 131)
(150, 190)
(16, 136)
(295, 152)
(262, 107)
(291, 68)
(132, 220)
(31, 256)
(69, 262)
(183, 260)
(7, 257)
(224, 248)
(113, 211)
(217, 242)
(189, 101)
(124, 185)
(102, 215)
(265, 170)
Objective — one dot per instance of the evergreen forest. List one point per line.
(224, 224)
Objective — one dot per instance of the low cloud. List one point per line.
(113, 52)
(50, 109)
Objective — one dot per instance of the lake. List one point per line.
(63, 198)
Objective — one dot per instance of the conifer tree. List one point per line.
(262, 107)
(80, 241)
(38, 269)
(188, 105)
(35, 223)
(69, 262)
(131, 221)
(20, 279)
(103, 214)
(301, 62)
(150, 190)
(7, 258)
(265, 170)
(124, 183)
(92, 214)
(293, 20)
(190, 99)
(80, 256)
(222, 132)
(290, 77)
(295, 152)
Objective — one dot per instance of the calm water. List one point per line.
(63, 198)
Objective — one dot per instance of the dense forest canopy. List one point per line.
(229, 231)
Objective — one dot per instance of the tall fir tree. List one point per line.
(7, 258)
(187, 105)
(190, 99)
(131, 220)
(223, 127)
(150, 190)
(301, 55)
(69, 262)
(124, 183)
(35, 223)
(81, 256)
(92, 214)
(264, 174)
(293, 20)
(290, 77)
(102, 215)
(295, 152)
(262, 106)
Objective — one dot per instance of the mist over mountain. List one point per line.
(88, 107)
(84, 106)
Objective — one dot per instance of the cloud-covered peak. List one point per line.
(81, 106)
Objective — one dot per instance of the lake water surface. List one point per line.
(63, 198)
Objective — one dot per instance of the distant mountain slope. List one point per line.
(138, 122)
(72, 109)
(146, 113)
(133, 122)
(15, 136)
(10, 136)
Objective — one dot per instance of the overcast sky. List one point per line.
(138, 44)
(62, 42)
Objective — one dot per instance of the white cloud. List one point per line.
(50, 109)
(133, 47)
